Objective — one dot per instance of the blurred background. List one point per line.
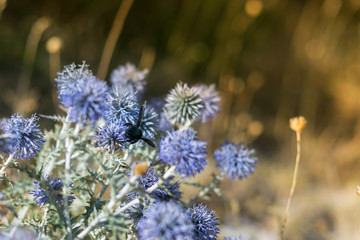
(270, 60)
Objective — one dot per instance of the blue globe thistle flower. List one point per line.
(233, 238)
(160, 194)
(149, 122)
(183, 104)
(211, 100)
(205, 222)
(54, 187)
(181, 149)
(235, 160)
(87, 102)
(122, 106)
(167, 221)
(111, 135)
(22, 136)
(129, 78)
(66, 80)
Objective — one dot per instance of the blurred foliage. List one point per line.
(271, 60)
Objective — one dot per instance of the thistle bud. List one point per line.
(141, 169)
(297, 124)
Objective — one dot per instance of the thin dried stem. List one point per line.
(113, 37)
(292, 190)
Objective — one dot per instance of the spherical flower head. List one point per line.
(205, 222)
(122, 106)
(183, 104)
(87, 102)
(167, 221)
(23, 136)
(66, 81)
(149, 122)
(54, 187)
(129, 78)
(111, 136)
(235, 160)
(183, 150)
(297, 124)
(160, 193)
(211, 100)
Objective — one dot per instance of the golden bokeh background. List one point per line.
(270, 59)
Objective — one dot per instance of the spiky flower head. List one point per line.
(183, 150)
(149, 122)
(122, 106)
(53, 186)
(87, 101)
(205, 222)
(129, 78)
(167, 221)
(235, 160)
(171, 190)
(211, 100)
(183, 104)
(66, 80)
(111, 136)
(22, 136)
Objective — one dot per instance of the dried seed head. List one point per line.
(358, 190)
(297, 124)
(141, 169)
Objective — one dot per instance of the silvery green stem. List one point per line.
(102, 216)
(69, 144)
(207, 189)
(7, 162)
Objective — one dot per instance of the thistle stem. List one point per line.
(292, 190)
(7, 162)
(102, 215)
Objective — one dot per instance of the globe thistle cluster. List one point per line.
(183, 104)
(122, 107)
(167, 221)
(128, 78)
(53, 186)
(183, 150)
(66, 80)
(211, 100)
(160, 194)
(111, 136)
(235, 160)
(205, 222)
(21, 137)
(86, 101)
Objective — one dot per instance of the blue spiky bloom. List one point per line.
(54, 187)
(129, 78)
(87, 101)
(183, 104)
(235, 160)
(22, 136)
(206, 224)
(149, 122)
(160, 193)
(67, 80)
(167, 221)
(111, 136)
(211, 100)
(183, 150)
(122, 106)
